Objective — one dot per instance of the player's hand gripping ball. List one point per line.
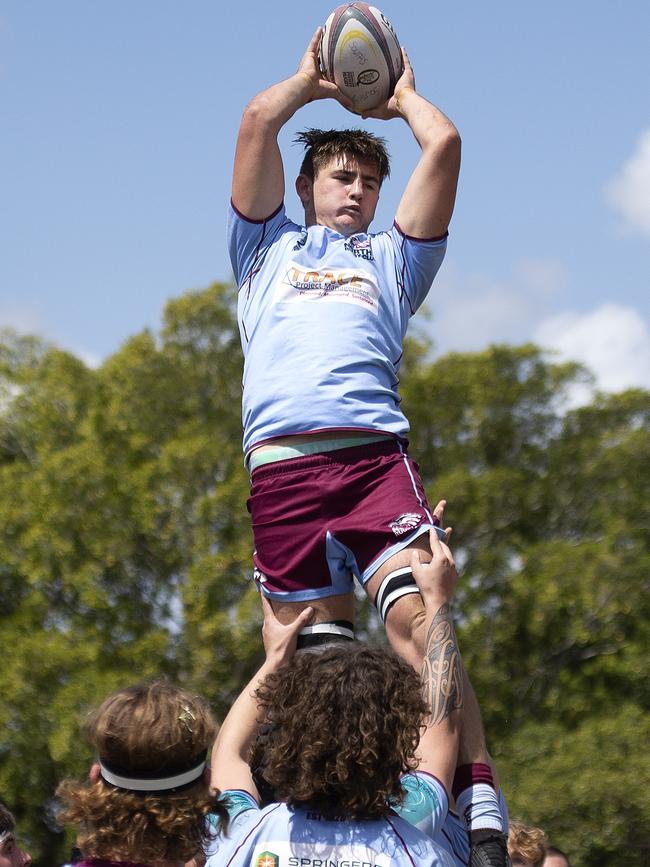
(361, 54)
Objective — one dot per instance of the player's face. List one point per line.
(11, 855)
(343, 196)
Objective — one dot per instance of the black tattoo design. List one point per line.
(442, 668)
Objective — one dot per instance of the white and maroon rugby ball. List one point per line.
(361, 54)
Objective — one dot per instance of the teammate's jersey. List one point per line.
(421, 809)
(322, 318)
(279, 836)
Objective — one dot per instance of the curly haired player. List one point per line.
(11, 854)
(347, 726)
(147, 798)
(527, 845)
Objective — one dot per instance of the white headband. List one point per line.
(5, 835)
(155, 784)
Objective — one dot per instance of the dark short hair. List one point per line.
(343, 724)
(7, 821)
(553, 850)
(323, 145)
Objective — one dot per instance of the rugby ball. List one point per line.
(361, 54)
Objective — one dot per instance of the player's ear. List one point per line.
(304, 187)
(95, 772)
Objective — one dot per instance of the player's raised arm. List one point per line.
(427, 203)
(442, 668)
(258, 177)
(231, 751)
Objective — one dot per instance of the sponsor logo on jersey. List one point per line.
(268, 859)
(407, 521)
(302, 240)
(362, 249)
(329, 862)
(303, 278)
(297, 854)
(341, 285)
(318, 817)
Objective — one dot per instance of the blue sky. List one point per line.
(118, 128)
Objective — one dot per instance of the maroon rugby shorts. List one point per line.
(320, 520)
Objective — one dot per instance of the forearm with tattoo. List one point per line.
(442, 668)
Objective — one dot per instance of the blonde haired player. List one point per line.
(147, 798)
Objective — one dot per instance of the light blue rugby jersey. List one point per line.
(421, 807)
(279, 836)
(322, 318)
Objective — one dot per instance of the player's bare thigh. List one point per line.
(326, 609)
(407, 614)
(405, 619)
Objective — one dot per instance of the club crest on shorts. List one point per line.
(268, 859)
(407, 521)
(258, 576)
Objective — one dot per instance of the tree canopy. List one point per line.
(125, 552)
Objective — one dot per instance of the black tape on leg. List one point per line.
(395, 585)
(325, 633)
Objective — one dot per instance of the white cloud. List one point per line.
(25, 320)
(8, 392)
(470, 311)
(90, 359)
(612, 341)
(545, 277)
(629, 191)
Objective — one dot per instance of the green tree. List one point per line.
(125, 551)
(123, 519)
(587, 785)
(550, 515)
